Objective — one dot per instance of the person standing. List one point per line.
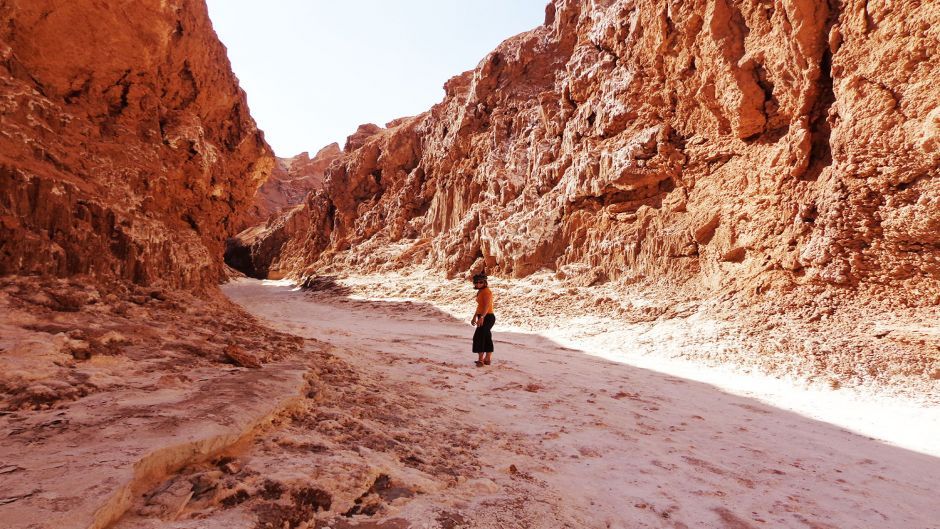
(483, 319)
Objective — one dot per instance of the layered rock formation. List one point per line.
(302, 174)
(725, 145)
(126, 147)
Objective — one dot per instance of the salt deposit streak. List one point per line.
(899, 420)
(896, 421)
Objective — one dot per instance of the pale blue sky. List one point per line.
(316, 69)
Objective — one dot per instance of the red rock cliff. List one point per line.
(126, 147)
(291, 180)
(277, 213)
(723, 144)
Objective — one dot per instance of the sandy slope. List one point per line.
(567, 439)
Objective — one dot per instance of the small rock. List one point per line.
(139, 300)
(205, 482)
(272, 490)
(313, 498)
(734, 255)
(240, 357)
(232, 467)
(114, 337)
(79, 349)
(158, 295)
(239, 496)
(64, 301)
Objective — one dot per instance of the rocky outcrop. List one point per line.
(127, 150)
(726, 145)
(290, 181)
(277, 213)
(308, 173)
(256, 251)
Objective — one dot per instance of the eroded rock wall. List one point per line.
(721, 144)
(126, 148)
(290, 181)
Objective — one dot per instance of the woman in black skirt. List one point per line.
(484, 319)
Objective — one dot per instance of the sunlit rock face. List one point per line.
(275, 214)
(718, 144)
(290, 181)
(126, 149)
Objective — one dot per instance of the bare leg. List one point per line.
(480, 359)
(488, 358)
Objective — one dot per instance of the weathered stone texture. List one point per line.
(723, 144)
(291, 181)
(126, 148)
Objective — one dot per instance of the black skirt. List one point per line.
(483, 336)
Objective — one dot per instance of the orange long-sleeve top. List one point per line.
(485, 301)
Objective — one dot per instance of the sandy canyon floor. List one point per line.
(369, 413)
(565, 430)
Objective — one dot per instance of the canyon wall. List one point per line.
(742, 145)
(126, 148)
(290, 181)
